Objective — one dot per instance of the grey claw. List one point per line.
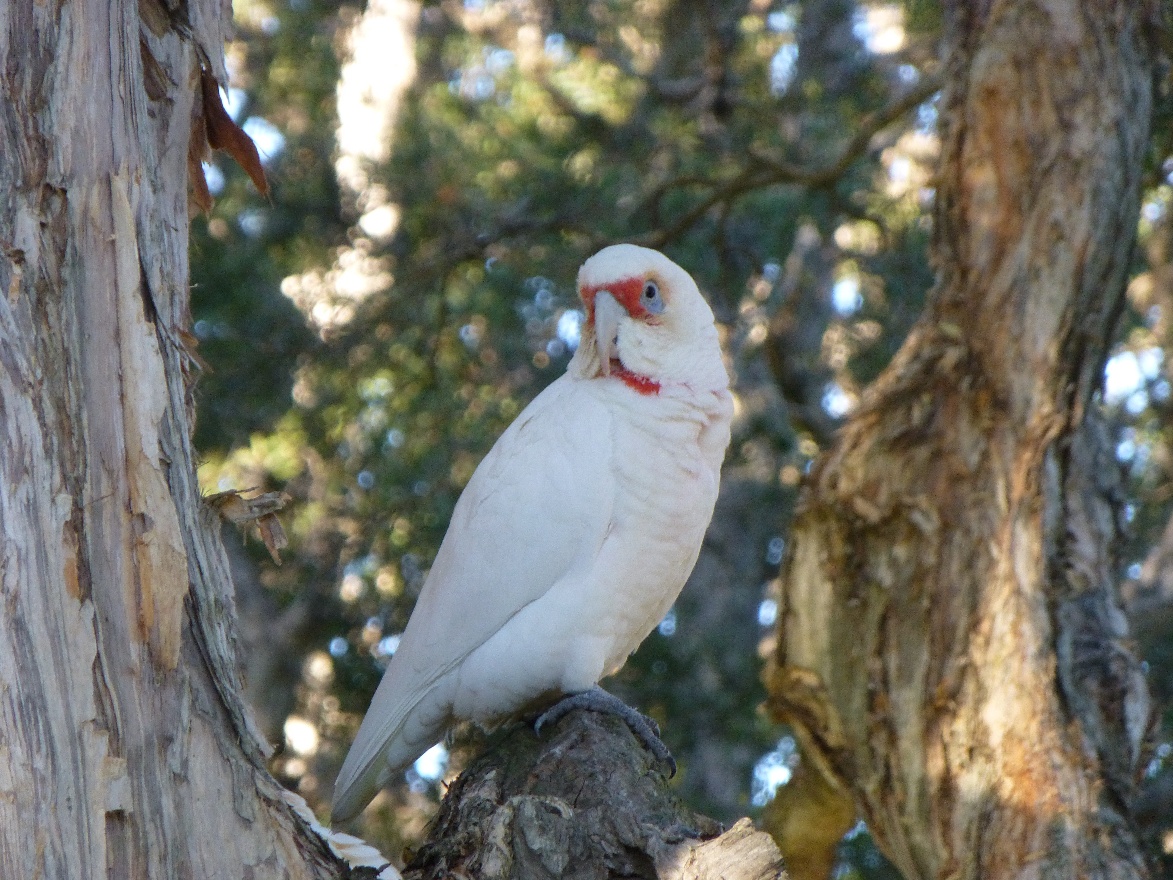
(598, 700)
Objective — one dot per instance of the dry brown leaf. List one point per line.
(197, 184)
(273, 535)
(235, 507)
(201, 196)
(260, 509)
(224, 134)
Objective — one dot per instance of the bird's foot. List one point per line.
(598, 700)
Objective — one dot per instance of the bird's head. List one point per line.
(647, 323)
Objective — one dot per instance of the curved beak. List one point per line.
(608, 312)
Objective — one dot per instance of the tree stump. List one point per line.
(584, 801)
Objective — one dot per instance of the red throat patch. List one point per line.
(640, 384)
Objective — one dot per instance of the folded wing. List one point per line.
(538, 506)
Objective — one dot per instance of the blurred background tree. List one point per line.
(439, 172)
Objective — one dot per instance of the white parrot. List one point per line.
(575, 534)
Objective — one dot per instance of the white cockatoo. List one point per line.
(577, 531)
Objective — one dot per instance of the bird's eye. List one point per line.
(652, 301)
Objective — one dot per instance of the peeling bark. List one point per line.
(587, 802)
(951, 646)
(125, 748)
(808, 817)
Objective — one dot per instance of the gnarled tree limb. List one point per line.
(584, 802)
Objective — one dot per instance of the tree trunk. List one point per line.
(951, 646)
(584, 802)
(125, 749)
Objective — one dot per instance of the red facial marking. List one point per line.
(627, 292)
(641, 384)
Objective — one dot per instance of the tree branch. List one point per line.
(584, 802)
(765, 171)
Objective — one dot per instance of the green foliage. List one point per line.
(251, 335)
(768, 149)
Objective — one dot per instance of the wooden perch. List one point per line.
(584, 801)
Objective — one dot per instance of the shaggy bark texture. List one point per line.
(583, 802)
(125, 748)
(951, 647)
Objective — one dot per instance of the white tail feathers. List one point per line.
(391, 738)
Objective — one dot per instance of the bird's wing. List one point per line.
(538, 505)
